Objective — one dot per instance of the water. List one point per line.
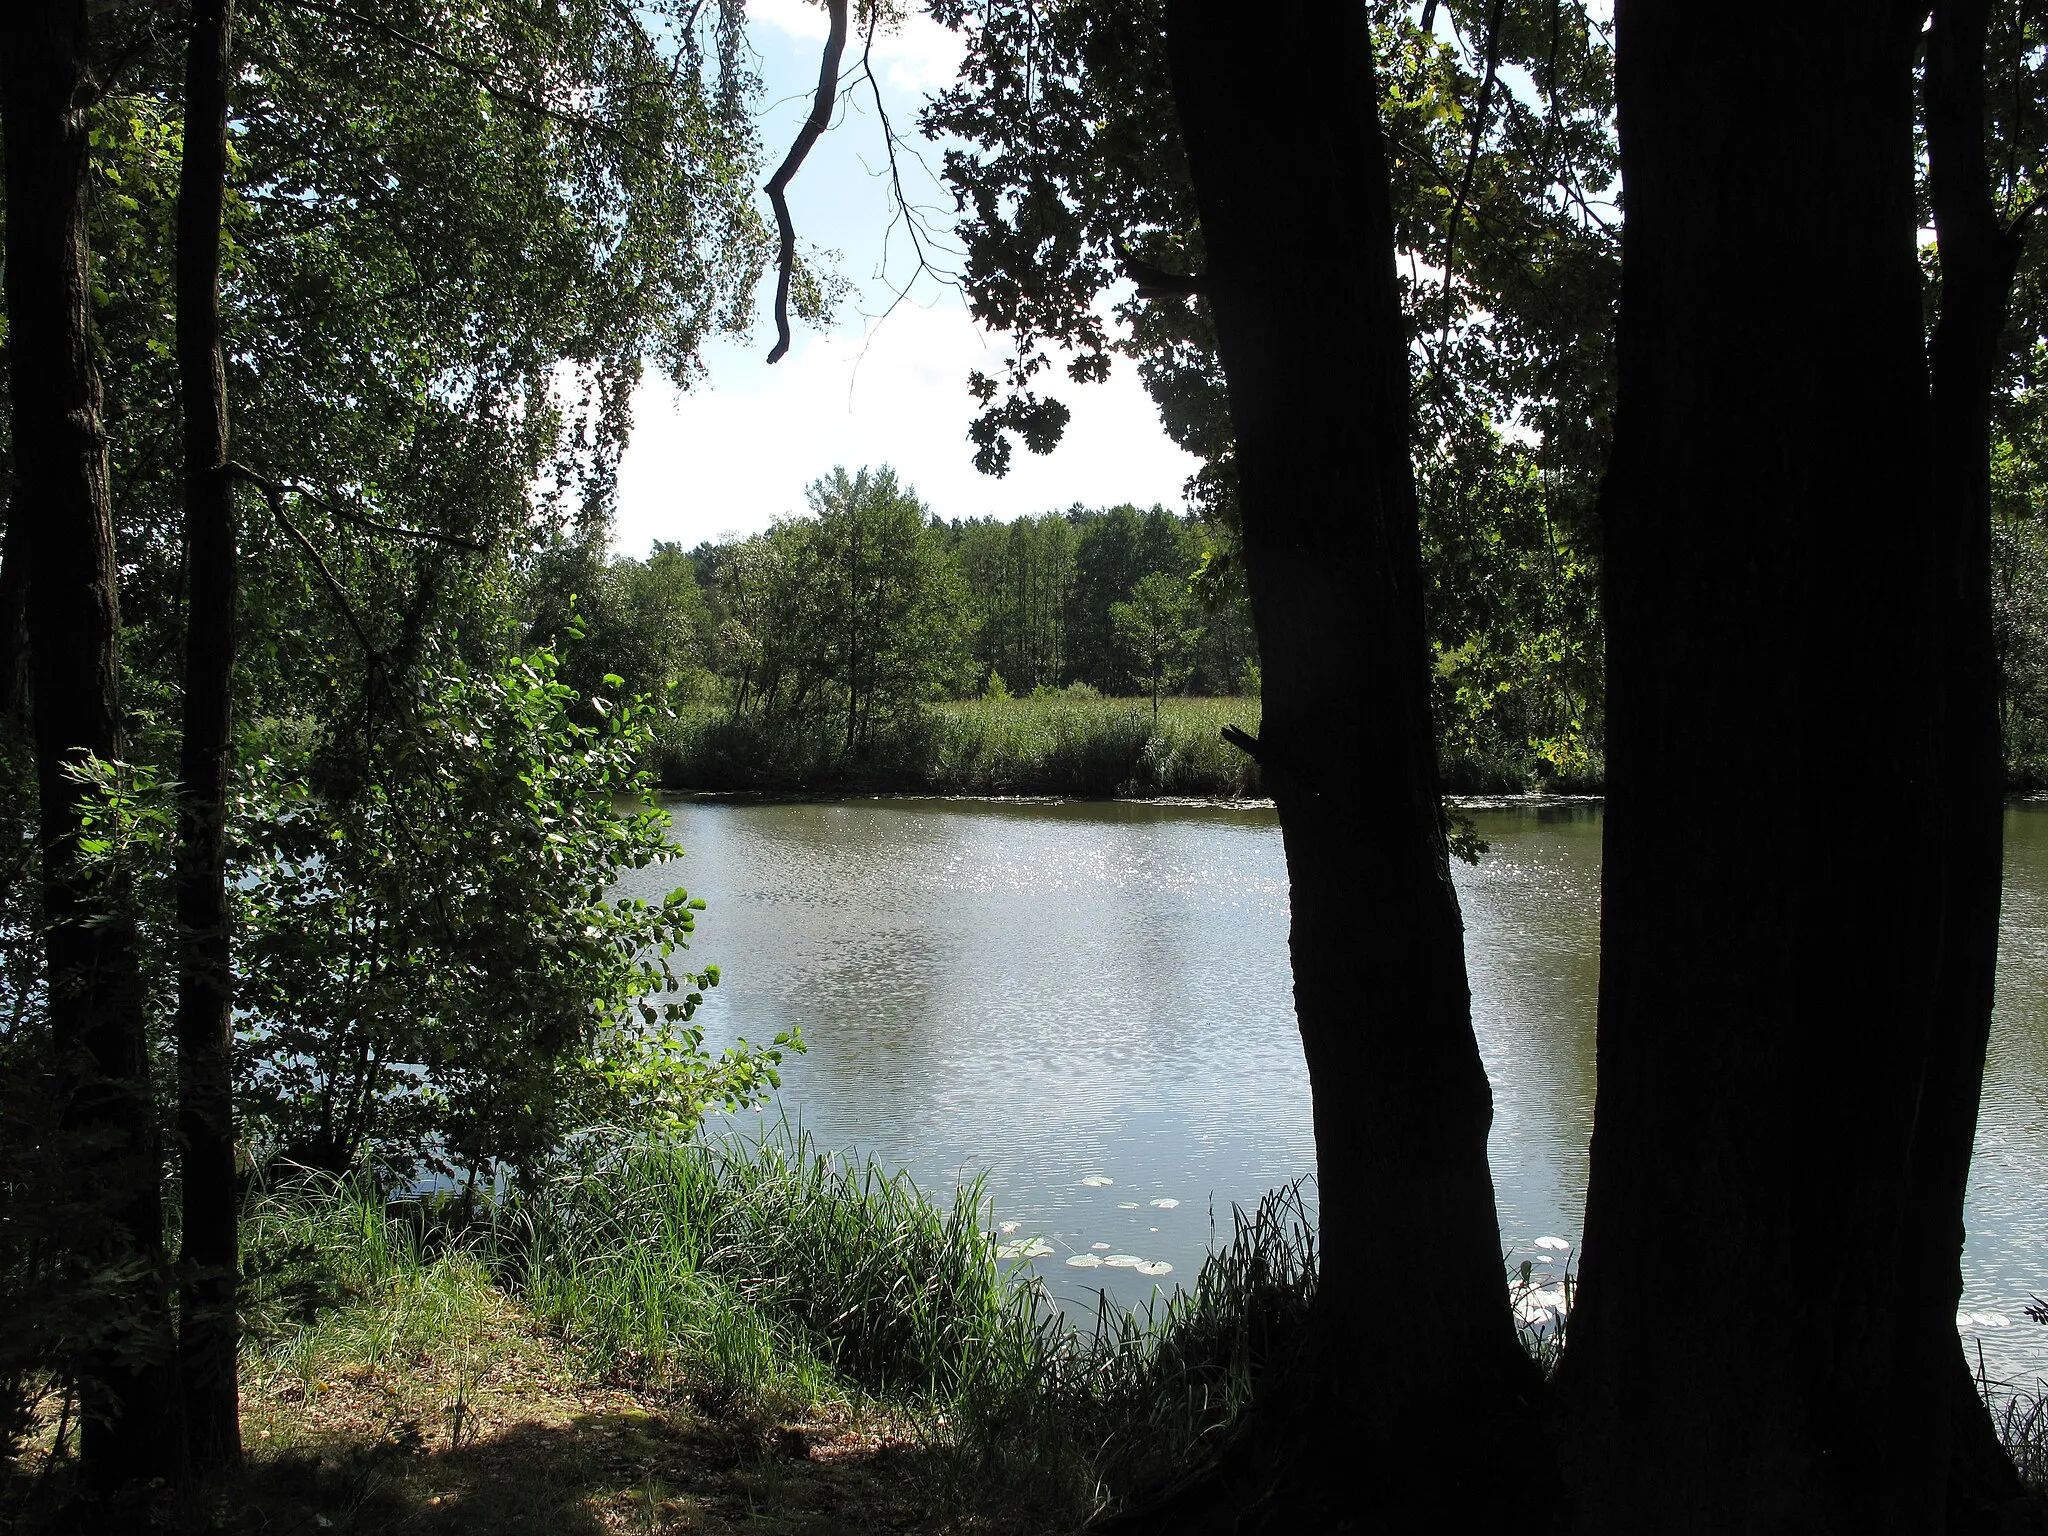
(1050, 994)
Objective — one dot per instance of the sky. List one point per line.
(737, 450)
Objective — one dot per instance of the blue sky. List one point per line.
(739, 448)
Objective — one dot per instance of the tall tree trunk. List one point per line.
(1770, 988)
(74, 630)
(1280, 121)
(14, 689)
(208, 1335)
(1979, 256)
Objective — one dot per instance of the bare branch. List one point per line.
(903, 212)
(819, 120)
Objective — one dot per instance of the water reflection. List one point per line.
(1040, 993)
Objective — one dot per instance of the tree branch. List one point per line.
(479, 77)
(354, 518)
(1156, 282)
(1471, 162)
(815, 124)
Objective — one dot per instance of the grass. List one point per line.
(1066, 744)
(711, 1335)
(731, 1334)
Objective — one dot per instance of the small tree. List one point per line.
(1154, 632)
(436, 975)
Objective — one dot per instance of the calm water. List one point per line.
(1048, 994)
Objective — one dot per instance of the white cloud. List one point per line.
(917, 55)
(739, 449)
(736, 453)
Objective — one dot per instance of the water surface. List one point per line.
(1047, 994)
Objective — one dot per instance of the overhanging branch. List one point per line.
(778, 184)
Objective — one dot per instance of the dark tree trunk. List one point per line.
(1750, 1351)
(74, 630)
(208, 1335)
(1979, 256)
(1280, 118)
(14, 689)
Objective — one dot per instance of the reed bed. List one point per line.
(1064, 744)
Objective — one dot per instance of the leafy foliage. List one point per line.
(1153, 627)
(853, 615)
(434, 975)
(1498, 121)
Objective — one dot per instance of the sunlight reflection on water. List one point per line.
(1040, 993)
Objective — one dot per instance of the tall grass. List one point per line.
(1062, 745)
(768, 1275)
(707, 1262)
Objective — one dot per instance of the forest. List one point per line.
(1637, 402)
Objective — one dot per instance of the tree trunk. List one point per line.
(208, 1335)
(1283, 140)
(1750, 1351)
(14, 689)
(61, 507)
(1979, 256)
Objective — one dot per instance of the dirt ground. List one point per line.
(512, 1443)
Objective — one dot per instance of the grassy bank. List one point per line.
(700, 1336)
(726, 1335)
(1065, 745)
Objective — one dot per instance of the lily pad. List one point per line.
(1007, 1227)
(1127, 1205)
(1122, 1260)
(1083, 1261)
(1167, 1205)
(1098, 1181)
(1155, 1267)
(1100, 1247)
(1554, 1244)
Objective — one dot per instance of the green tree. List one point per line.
(643, 620)
(1074, 179)
(1114, 551)
(434, 976)
(1156, 636)
(889, 605)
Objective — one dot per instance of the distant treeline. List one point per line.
(857, 615)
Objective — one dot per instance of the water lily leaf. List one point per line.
(1167, 1205)
(1083, 1261)
(1155, 1267)
(1098, 1181)
(1122, 1260)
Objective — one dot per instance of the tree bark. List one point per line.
(208, 1332)
(14, 689)
(1979, 256)
(61, 505)
(1751, 1351)
(1280, 119)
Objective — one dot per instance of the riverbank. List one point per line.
(714, 1337)
(1066, 745)
(698, 1336)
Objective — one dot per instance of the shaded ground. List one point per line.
(502, 1437)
